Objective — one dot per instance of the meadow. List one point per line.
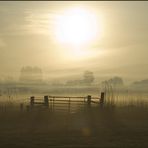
(121, 122)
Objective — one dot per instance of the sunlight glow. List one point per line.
(76, 31)
(78, 53)
(77, 26)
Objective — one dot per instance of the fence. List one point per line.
(53, 101)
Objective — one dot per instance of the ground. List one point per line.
(90, 127)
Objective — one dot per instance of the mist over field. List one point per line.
(73, 74)
(27, 38)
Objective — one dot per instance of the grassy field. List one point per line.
(122, 122)
(107, 127)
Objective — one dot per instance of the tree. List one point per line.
(116, 82)
(88, 77)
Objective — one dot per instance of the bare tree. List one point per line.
(88, 77)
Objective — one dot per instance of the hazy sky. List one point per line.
(27, 37)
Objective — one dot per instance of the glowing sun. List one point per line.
(77, 26)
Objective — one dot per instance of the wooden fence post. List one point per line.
(46, 101)
(69, 106)
(88, 99)
(102, 98)
(32, 101)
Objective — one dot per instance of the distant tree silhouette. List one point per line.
(141, 85)
(115, 82)
(88, 77)
(142, 82)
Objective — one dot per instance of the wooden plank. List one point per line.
(39, 99)
(67, 100)
(66, 103)
(39, 103)
(65, 97)
(94, 102)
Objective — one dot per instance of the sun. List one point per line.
(76, 27)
